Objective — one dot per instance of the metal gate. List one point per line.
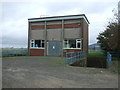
(54, 48)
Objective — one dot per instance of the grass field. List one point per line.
(97, 53)
(14, 51)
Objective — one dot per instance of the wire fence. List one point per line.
(74, 56)
(115, 54)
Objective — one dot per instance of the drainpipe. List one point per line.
(82, 39)
(29, 29)
(45, 35)
(62, 38)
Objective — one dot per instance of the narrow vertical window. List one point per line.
(78, 43)
(32, 43)
(72, 43)
(37, 43)
(66, 44)
(42, 43)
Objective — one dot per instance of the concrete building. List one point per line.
(54, 36)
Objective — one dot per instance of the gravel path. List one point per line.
(51, 72)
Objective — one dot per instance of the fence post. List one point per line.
(71, 58)
(75, 56)
(80, 55)
(109, 60)
(66, 58)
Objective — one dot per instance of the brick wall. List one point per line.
(55, 26)
(35, 27)
(70, 50)
(85, 36)
(36, 52)
(75, 25)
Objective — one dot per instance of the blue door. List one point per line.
(54, 48)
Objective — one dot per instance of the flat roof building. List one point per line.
(54, 36)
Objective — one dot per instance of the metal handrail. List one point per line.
(74, 56)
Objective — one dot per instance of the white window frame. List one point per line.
(42, 43)
(77, 41)
(66, 42)
(33, 41)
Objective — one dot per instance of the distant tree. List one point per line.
(109, 39)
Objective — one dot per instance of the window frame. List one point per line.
(76, 41)
(32, 41)
(67, 41)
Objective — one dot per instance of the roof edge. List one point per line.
(57, 17)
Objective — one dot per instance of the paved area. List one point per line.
(51, 72)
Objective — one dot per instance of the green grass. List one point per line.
(14, 52)
(93, 53)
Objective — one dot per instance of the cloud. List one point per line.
(85, 7)
(15, 16)
(45, 1)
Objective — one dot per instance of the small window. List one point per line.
(32, 41)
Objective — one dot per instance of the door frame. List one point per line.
(48, 47)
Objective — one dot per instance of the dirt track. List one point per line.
(51, 72)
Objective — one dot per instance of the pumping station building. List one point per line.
(54, 36)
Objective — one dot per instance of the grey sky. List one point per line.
(15, 16)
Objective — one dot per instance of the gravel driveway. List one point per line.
(51, 72)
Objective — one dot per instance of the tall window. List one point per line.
(32, 43)
(66, 44)
(76, 43)
(37, 43)
(72, 44)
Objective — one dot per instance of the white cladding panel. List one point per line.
(37, 34)
(54, 35)
(72, 33)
